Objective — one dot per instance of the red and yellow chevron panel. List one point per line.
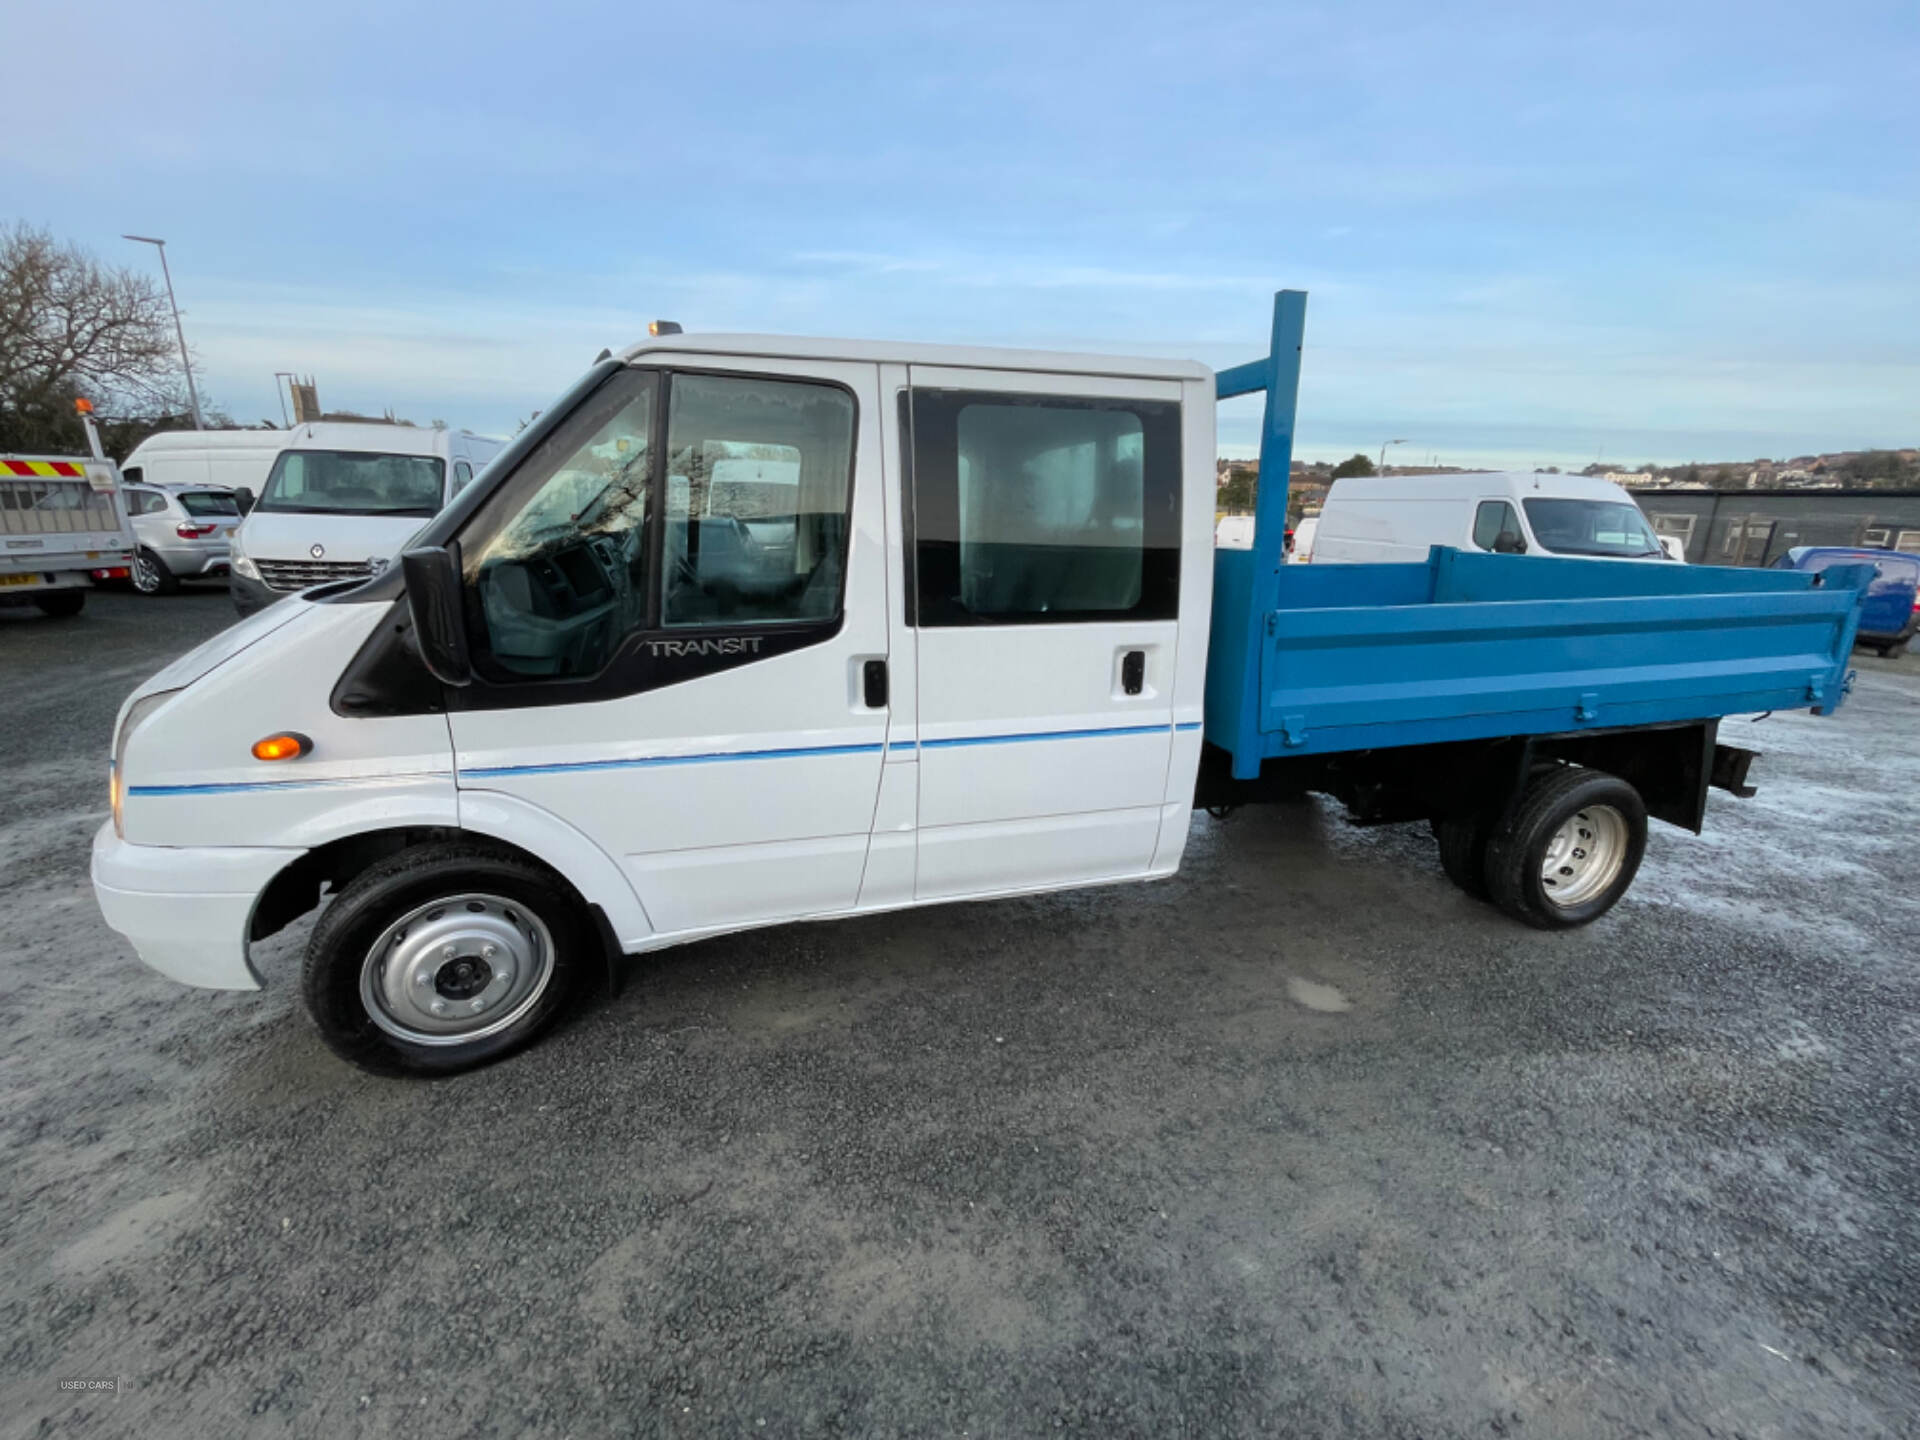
(47, 469)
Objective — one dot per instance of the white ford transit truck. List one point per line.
(752, 629)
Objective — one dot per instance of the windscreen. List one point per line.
(207, 502)
(354, 482)
(1592, 527)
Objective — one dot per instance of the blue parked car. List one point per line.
(1892, 611)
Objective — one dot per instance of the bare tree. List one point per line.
(71, 327)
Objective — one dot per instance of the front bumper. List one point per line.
(185, 909)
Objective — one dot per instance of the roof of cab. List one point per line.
(911, 352)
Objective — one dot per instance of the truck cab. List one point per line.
(754, 630)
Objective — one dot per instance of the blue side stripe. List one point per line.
(1019, 739)
(235, 787)
(653, 761)
(647, 761)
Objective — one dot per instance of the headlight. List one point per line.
(137, 714)
(237, 558)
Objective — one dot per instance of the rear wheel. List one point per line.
(61, 604)
(444, 957)
(150, 575)
(1568, 849)
(1463, 852)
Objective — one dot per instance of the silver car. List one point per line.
(182, 533)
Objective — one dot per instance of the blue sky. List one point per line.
(1533, 233)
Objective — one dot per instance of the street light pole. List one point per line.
(193, 395)
(1383, 454)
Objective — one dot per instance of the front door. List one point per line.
(1044, 595)
(671, 605)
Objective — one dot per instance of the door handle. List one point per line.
(1133, 671)
(873, 684)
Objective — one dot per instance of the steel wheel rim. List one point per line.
(1585, 856)
(457, 969)
(146, 578)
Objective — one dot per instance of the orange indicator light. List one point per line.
(288, 745)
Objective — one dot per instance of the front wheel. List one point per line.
(443, 957)
(1568, 850)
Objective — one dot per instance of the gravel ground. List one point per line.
(1302, 1141)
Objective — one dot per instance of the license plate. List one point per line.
(19, 579)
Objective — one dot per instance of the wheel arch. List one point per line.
(536, 834)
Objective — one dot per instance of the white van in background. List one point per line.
(228, 459)
(340, 502)
(1233, 532)
(1303, 533)
(1398, 518)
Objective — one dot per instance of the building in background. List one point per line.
(1756, 527)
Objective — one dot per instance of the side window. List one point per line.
(462, 475)
(561, 580)
(1496, 527)
(1044, 509)
(1678, 526)
(759, 474)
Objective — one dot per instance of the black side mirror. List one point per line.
(243, 497)
(432, 576)
(1509, 543)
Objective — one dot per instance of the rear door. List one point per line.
(673, 604)
(1045, 558)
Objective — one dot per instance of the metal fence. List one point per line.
(1756, 527)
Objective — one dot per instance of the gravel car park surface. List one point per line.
(1301, 1141)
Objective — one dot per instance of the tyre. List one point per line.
(443, 957)
(62, 604)
(1463, 852)
(1568, 849)
(149, 574)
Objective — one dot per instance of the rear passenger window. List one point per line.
(462, 475)
(1497, 527)
(1044, 509)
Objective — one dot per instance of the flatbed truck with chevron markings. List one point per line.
(63, 526)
